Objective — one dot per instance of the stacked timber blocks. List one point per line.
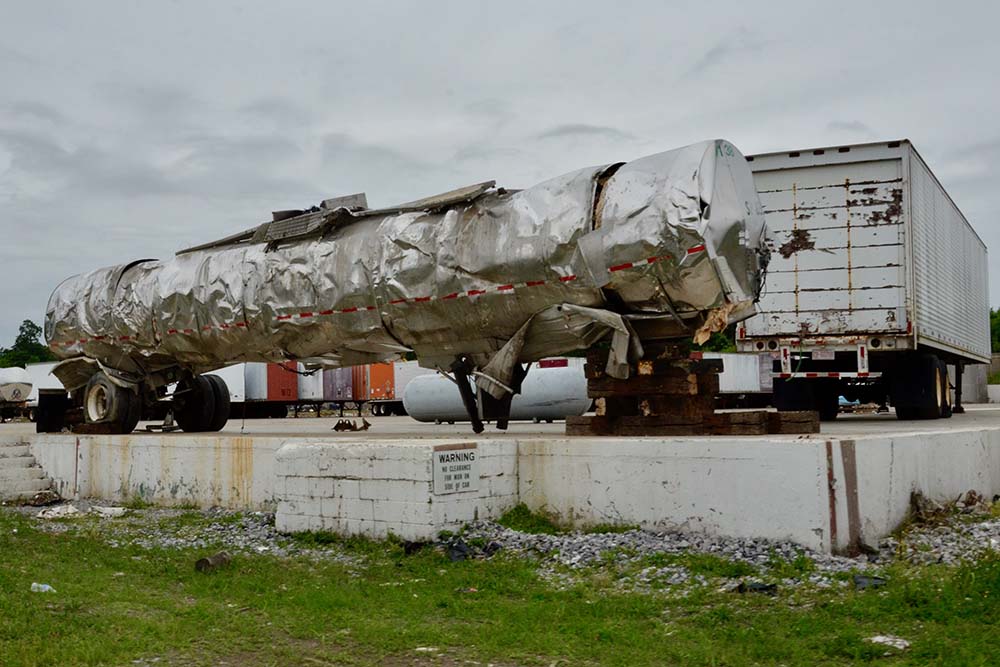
(673, 395)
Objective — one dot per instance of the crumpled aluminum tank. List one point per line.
(649, 247)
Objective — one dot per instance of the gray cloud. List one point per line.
(850, 126)
(584, 130)
(117, 143)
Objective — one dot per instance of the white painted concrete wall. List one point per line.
(377, 488)
(822, 493)
(750, 487)
(173, 469)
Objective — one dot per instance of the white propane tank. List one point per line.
(15, 385)
(553, 389)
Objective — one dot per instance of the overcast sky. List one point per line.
(131, 130)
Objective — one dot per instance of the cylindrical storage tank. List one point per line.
(310, 387)
(548, 392)
(403, 372)
(15, 385)
(282, 382)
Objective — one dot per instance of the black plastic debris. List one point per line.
(757, 587)
(459, 550)
(410, 548)
(862, 582)
(492, 548)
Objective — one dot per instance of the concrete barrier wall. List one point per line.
(827, 494)
(378, 488)
(174, 469)
(748, 487)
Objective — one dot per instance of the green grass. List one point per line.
(524, 520)
(993, 378)
(116, 605)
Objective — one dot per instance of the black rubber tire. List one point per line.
(946, 393)
(828, 403)
(919, 389)
(194, 408)
(793, 395)
(134, 413)
(223, 404)
(104, 402)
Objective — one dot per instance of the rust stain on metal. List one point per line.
(831, 484)
(645, 367)
(893, 210)
(798, 241)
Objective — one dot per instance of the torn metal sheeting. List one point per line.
(680, 237)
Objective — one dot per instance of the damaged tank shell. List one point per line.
(649, 247)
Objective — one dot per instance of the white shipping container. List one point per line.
(868, 245)
(41, 378)
(310, 386)
(235, 378)
(740, 372)
(255, 381)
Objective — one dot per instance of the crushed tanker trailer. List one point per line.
(475, 282)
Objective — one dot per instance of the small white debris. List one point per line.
(108, 512)
(41, 588)
(58, 512)
(427, 649)
(890, 640)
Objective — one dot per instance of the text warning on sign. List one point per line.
(456, 468)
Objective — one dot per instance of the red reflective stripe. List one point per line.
(242, 324)
(124, 337)
(693, 249)
(189, 331)
(504, 288)
(696, 356)
(171, 331)
(421, 299)
(621, 267)
(395, 301)
(306, 314)
(812, 375)
(280, 317)
(553, 363)
(369, 307)
(653, 260)
(833, 375)
(476, 292)
(349, 310)
(453, 295)
(534, 283)
(785, 375)
(566, 279)
(327, 312)
(98, 338)
(862, 374)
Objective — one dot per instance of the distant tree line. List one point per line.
(995, 329)
(27, 348)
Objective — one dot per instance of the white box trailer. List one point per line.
(876, 282)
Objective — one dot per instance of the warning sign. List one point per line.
(456, 468)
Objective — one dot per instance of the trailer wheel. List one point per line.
(195, 406)
(793, 394)
(104, 402)
(828, 402)
(918, 391)
(222, 408)
(945, 390)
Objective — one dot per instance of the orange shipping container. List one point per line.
(282, 383)
(381, 382)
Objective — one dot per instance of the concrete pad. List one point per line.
(848, 486)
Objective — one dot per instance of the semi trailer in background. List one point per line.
(877, 281)
(15, 386)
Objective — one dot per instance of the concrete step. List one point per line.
(19, 474)
(23, 489)
(13, 450)
(10, 462)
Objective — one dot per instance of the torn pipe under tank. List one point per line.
(667, 245)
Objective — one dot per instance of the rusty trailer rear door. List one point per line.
(839, 262)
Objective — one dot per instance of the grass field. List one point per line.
(127, 605)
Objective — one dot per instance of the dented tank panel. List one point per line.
(668, 239)
(866, 243)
